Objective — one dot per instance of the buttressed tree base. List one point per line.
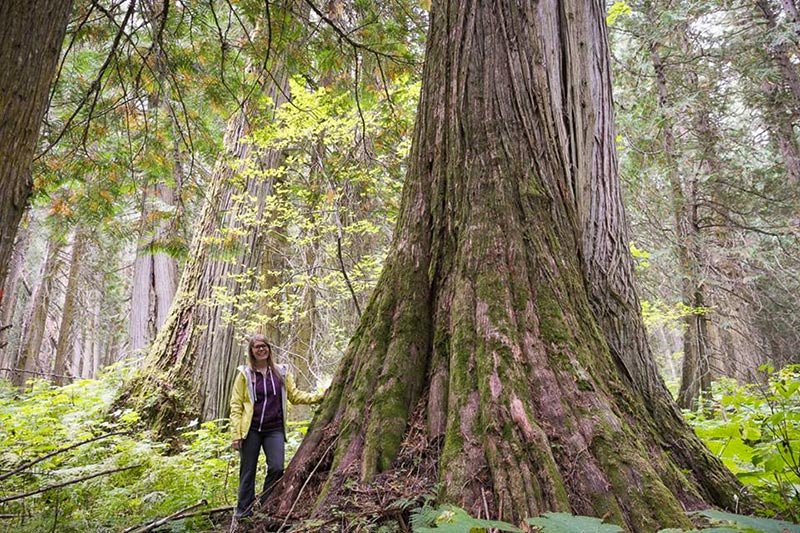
(505, 320)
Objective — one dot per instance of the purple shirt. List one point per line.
(267, 409)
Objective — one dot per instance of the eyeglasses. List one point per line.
(260, 347)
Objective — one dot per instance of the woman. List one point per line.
(258, 418)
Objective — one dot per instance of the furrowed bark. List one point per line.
(506, 311)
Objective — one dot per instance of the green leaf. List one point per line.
(707, 530)
(567, 523)
(452, 519)
(750, 523)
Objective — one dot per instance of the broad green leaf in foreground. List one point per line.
(567, 523)
(750, 523)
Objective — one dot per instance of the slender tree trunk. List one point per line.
(34, 329)
(65, 342)
(695, 375)
(10, 303)
(30, 44)
(504, 331)
(97, 343)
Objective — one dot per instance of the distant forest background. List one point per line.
(294, 139)
(208, 170)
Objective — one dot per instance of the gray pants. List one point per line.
(272, 444)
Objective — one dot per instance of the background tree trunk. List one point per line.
(695, 373)
(65, 344)
(504, 331)
(155, 275)
(30, 44)
(33, 331)
(155, 272)
(12, 301)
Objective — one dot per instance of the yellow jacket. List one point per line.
(242, 399)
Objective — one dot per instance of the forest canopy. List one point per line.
(541, 257)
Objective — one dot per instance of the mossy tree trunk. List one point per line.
(505, 317)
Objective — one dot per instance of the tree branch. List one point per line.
(66, 483)
(27, 465)
(177, 515)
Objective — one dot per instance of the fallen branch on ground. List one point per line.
(60, 450)
(34, 372)
(65, 483)
(177, 515)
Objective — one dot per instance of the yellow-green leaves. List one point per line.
(617, 9)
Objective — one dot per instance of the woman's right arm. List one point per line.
(237, 408)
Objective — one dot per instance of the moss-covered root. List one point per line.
(163, 403)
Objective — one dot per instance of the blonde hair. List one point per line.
(271, 361)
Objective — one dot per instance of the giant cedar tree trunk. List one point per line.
(30, 43)
(504, 330)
